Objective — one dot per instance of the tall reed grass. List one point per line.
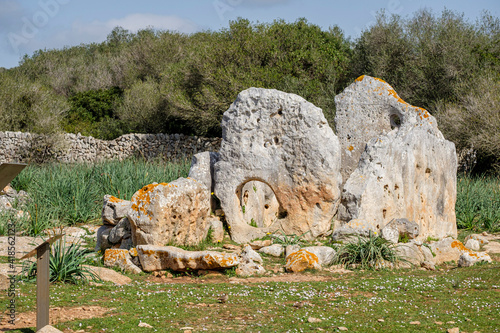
(69, 194)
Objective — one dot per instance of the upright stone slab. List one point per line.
(285, 142)
(408, 171)
(202, 169)
(174, 213)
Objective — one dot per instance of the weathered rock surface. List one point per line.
(114, 209)
(301, 260)
(400, 228)
(250, 263)
(289, 249)
(48, 329)
(174, 213)
(217, 229)
(259, 205)
(325, 254)
(408, 171)
(202, 169)
(414, 254)
(483, 240)
(285, 142)
(109, 275)
(120, 231)
(102, 238)
(157, 258)
(449, 249)
(472, 244)
(120, 258)
(353, 230)
(275, 250)
(468, 259)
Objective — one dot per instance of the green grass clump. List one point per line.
(69, 194)
(367, 253)
(478, 203)
(65, 265)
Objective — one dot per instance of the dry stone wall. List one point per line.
(69, 148)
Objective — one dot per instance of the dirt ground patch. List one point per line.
(56, 314)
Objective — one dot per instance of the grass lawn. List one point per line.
(362, 301)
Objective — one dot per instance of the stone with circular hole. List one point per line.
(283, 142)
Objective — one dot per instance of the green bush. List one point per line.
(367, 253)
(65, 265)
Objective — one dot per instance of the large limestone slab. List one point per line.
(408, 171)
(174, 213)
(157, 258)
(202, 169)
(283, 141)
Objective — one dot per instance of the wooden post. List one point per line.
(42, 286)
(42, 252)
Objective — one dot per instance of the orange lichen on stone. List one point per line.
(360, 78)
(112, 256)
(461, 247)
(301, 260)
(114, 199)
(351, 148)
(142, 198)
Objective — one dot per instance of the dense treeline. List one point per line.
(162, 81)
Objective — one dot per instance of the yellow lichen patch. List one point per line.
(142, 198)
(133, 252)
(461, 247)
(360, 78)
(351, 148)
(113, 256)
(301, 260)
(114, 199)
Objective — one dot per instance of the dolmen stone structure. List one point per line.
(284, 142)
(395, 161)
(281, 168)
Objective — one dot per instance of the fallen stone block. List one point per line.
(157, 258)
(301, 260)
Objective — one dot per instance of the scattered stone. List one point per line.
(114, 209)
(482, 239)
(48, 329)
(410, 252)
(120, 258)
(342, 328)
(453, 330)
(301, 260)
(325, 254)
(275, 250)
(438, 322)
(289, 249)
(215, 224)
(468, 259)
(110, 275)
(380, 320)
(102, 238)
(449, 249)
(174, 213)
(248, 254)
(414, 322)
(400, 228)
(257, 245)
(272, 137)
(472, 244)
(395, 161)
(231, 247)
(428, 265)
(120, 231)
(314, 320)
(141, 324)
(158, 258)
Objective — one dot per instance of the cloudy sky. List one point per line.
(29, 25)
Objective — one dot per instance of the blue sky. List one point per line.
(29, 25)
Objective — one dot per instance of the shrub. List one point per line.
(367, 253)
(65, 265)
